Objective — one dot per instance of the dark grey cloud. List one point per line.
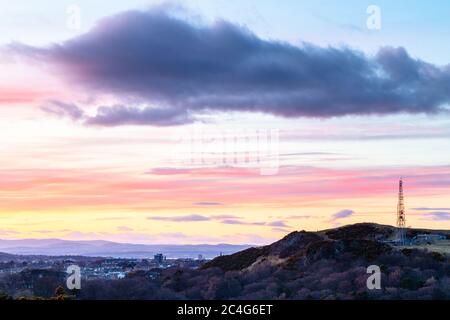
(122, 115)
(152, 58)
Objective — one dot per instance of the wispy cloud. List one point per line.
(299, 217)
(8, 233)
(186, 218)
(342, 214)
(437, 216)
(61, 109)
(207, 204)
(240, 222)
(125, 229)
(224, 219)
(193, 218)
(224, 216)
(281, 230)
(430, 209)
(278, 223)
(110, 218)
(346, 213)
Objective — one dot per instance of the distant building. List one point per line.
(200, 257)
(158, 258)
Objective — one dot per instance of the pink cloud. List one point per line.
(21, 95)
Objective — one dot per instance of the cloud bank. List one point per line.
(164, 70)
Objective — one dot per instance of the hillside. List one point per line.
(330, 264)
(359, 240)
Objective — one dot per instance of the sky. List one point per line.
(221, 121)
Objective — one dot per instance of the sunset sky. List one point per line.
(113, 124)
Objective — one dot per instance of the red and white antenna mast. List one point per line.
(401, 216)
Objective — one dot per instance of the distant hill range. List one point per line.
(97, 248)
